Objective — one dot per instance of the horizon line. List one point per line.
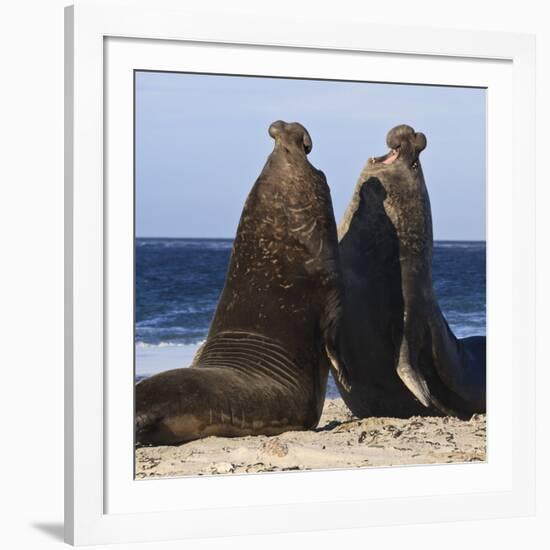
(232, 238)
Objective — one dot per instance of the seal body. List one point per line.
(402, 357)
(264, 366)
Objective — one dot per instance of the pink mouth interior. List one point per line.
(392, 156)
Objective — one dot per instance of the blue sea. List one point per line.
(178, 283)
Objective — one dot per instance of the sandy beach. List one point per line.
(340, 441)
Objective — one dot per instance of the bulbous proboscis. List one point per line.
(286, 133)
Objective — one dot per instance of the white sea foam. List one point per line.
(466, 331)
(460, 244)
(147, 345)
(152, 359)
(170, 330)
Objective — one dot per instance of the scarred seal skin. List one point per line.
(264, 366)
(401, 355)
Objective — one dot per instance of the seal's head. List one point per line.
(290, 137)
(405, 147)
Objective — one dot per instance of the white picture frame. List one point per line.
(104, 43)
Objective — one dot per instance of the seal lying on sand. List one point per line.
(402, 357)
(264, 366)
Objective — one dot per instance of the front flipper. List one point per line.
(410, 375)
(330, 326)
(416, 378)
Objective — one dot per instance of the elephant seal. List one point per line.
(401, 355)
(264, 366)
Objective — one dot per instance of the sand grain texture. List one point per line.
(340, 441)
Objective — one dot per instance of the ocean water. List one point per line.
(178, 283)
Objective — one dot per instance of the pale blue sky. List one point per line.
(201, 142)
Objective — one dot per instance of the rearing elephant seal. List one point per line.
(402, 357)
(264, 366)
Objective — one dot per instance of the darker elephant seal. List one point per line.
(401, 355)
(264, 366)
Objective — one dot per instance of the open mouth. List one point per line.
(392, 156)
(388, 158)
